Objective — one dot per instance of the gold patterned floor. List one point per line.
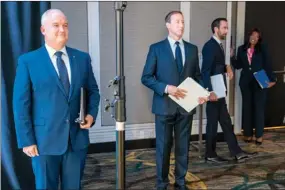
(265, 171)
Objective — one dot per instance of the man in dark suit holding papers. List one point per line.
(169, 62)
(252, 57)
(216, 110)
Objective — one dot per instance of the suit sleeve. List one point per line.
(148, 75)
(208, 59)
(236, 62)
(22, 103)
(93, 95)
(267, 65)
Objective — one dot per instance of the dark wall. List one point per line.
(269, 17)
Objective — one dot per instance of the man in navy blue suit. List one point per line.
(216, 110)
(46, 103)
(169, 62)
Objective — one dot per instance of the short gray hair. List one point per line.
(47, 13)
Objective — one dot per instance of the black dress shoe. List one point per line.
(162, 188)
(248, 141)
(217, 160)
(181, 188)
(243, 156)
(258, 143)
(178, 187)
(250, 153)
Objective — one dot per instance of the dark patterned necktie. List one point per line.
(178, 57)
(62, 70)
(221, 45)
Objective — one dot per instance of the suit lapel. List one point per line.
(218, 46)
(187, 55)
(169, 50)
(50, 68)
(73, 67)
(245, 57)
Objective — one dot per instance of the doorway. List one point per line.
(269, 17)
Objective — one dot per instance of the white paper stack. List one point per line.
(194, 91)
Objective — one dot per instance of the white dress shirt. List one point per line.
(217, 39)
(64, 57)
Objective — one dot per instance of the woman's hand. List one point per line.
(270, 84)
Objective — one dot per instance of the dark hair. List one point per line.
(257, 47)
(216, 23)
(168, 16)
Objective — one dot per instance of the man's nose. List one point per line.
(61, 29)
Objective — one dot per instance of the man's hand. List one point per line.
(230, 72)
(176, 92)
(89, 120)
(202, 100)
(213, 97)
(31, 151)
(270, 84)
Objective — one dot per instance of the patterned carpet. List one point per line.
(265, 171)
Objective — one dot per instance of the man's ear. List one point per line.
(42, 30)
(215, 29)
(167, 25)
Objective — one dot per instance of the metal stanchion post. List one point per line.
(119, 102)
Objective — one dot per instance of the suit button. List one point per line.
(67, 121)
(249, 68)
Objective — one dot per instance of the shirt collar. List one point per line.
(218, 40)
(172, 41)
(52, 51)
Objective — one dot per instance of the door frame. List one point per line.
(241, 7)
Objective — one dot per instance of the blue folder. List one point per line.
(262, 78)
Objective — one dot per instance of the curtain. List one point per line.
(20, 33)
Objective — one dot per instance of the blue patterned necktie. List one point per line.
(62, 70)
(178, 57)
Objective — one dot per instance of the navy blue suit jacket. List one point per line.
(213, 62)
(161, 69)
(44, 114)
(260, 60)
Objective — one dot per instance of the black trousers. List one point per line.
(253, 109)
(164, 127)
(218, 112)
